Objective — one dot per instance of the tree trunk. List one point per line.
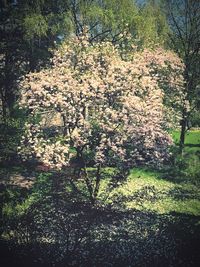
(85, 173)
(3, 103)
(183, 131)
(89, 186)
(97, 184)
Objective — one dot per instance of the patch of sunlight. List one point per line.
(167, 205)
(139, 179)
(145, 190)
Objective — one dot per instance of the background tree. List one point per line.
(184, 21)
(152, 26)
(28, 29)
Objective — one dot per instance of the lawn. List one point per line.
(192, 139)
(146, 190)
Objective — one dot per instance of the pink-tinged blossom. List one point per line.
(108, 105)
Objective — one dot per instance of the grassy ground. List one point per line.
(192, 139)
(150, 219)
(146, 190)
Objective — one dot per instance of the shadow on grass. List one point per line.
(60, 228)
(192, 145)
(182, 194)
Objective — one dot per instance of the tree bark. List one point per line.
(183, 131)
(89, 186)
(97, 182)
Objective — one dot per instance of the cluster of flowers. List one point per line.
(110, 106)
(34, 144)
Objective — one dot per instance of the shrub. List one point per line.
(112, 110)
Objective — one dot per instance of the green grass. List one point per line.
(145, 190)
(192, 137)
(192, 140)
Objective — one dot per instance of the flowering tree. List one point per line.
(110, 107)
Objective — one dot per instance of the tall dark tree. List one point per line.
(184, 21)
(27, 30)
